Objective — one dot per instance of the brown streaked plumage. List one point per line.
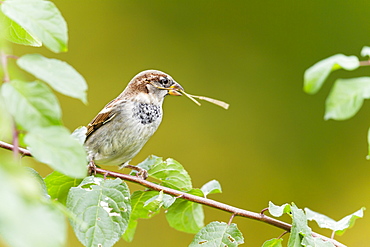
(125, 124)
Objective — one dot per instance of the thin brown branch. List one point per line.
(15, 141)
(4, 65)
(202, 200)
(231, 219)
(365, 63)
(8, 146)
(211, 203)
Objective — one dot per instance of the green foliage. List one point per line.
(102, 207)
(54, 146)
(41, 20)
(347, 95)
(211, 187)
(27, 217)
(339, 227)
(58, 74)
(181, 214)
(218, 234)
(315, 76)
(139, 211)
(301, 233)
(171, 173)
(32, 104)
(185, 216)
(58, 186)
(275, 242)
(18, 35)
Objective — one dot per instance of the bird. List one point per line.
(125, 124)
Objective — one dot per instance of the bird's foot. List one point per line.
(141, 173)
(91, 168)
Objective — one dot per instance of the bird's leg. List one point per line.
(141, 173)
(91, 168)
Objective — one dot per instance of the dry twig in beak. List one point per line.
(214, 101)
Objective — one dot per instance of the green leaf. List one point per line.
(58, 185)
(168, 201)
(138, 200)
(185, 216)
(31, 103)
(158, 201)
(196, 192)
(278, 211)
(104, 206)
(40, 181)
(58, 74)
(315, 76)
(300, 232)
(211, 187)
(16, 34)
(365, 52)
(170, 172)
(148, 163)
(218, 234)
(79, 134)
(27, 218)
(346, 97)
(54, 146)
(41, 19)
(338, 226)
(275, 242)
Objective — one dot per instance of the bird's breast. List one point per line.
(146, 113)
(119, 140)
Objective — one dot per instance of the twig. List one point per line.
(231, 219)
(281, 235)
(8, 146)
(4, 65)
(202, 200)
(15, 141)
(365, 63)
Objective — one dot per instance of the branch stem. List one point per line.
(202, 200)
(4, 65)
(15, 141)
(365, 63)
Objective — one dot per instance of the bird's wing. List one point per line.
(103, 117)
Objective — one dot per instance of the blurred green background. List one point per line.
(272, 144)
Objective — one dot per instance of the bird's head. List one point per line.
(152, 86)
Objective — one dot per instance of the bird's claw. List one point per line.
(91, 168)
(141, 173)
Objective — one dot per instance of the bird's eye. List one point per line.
(164, 81)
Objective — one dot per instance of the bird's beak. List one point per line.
(174, 89)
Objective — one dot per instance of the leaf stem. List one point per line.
(231, 219)
(332, 235)
(15, 141)
(201, 200)
(281, 235)
(6, 78)
(4, 65)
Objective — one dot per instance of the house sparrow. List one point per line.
(125, 124)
